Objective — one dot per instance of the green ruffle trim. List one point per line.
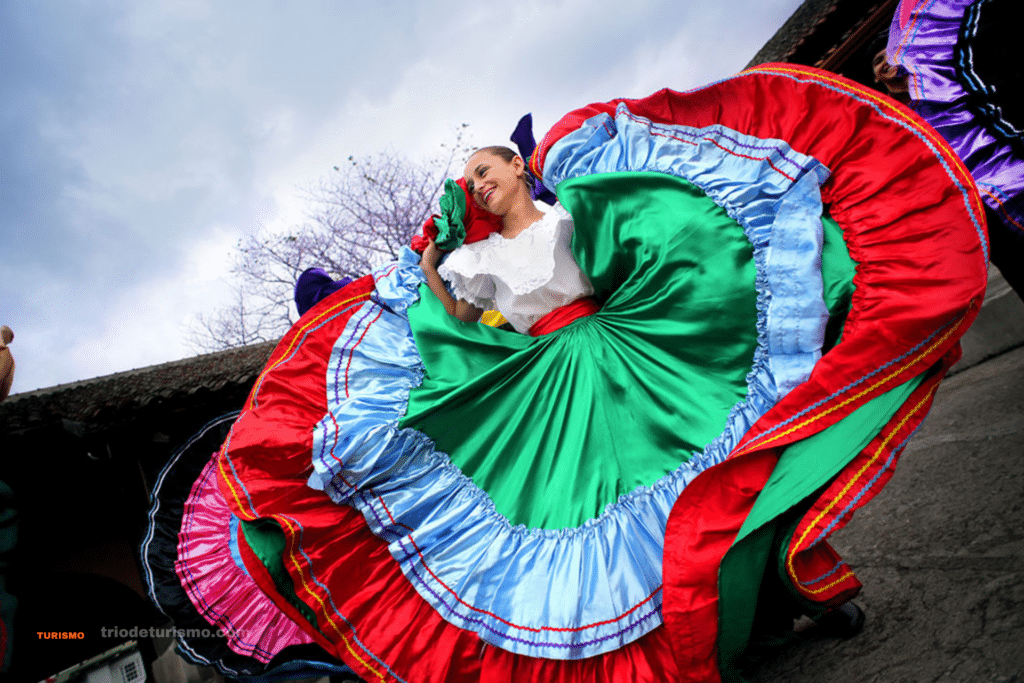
(451, 229)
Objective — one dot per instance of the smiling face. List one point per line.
(890, 76)
(494, 183)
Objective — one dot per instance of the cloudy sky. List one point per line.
(139, 141)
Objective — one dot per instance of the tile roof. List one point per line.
(113, 398)
(817, 27)
(802, 24)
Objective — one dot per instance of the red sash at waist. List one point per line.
(563, 315)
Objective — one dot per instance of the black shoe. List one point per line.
(844, 621)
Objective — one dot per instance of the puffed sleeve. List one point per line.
(463, 270)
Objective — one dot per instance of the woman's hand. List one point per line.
(428, 263)
(431, 256)
(462, 310)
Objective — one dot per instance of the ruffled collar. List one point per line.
(526, 262)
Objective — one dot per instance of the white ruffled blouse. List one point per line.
(525, 277)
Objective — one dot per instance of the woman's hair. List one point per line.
(504, 152)
(508, 155)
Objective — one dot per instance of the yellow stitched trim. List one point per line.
(323, 607)
(284, 521)
(228, 479)
(849, 485)
(291, 555)
(1003, 207)
(838, 581)
(297, 335)
(909, 31)
(928, 132)
(906, 36)
(240, 506)
(853, 398)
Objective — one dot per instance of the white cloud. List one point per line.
(145, 139)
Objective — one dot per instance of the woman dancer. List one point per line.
(452, 502)
(957, 64)
(483, 273)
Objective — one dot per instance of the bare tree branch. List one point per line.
(359, 217)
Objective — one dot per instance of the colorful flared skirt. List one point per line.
(784, 260)
(212, 628)
(964, 73)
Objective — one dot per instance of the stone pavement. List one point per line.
(940, 550)
(998, 327)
